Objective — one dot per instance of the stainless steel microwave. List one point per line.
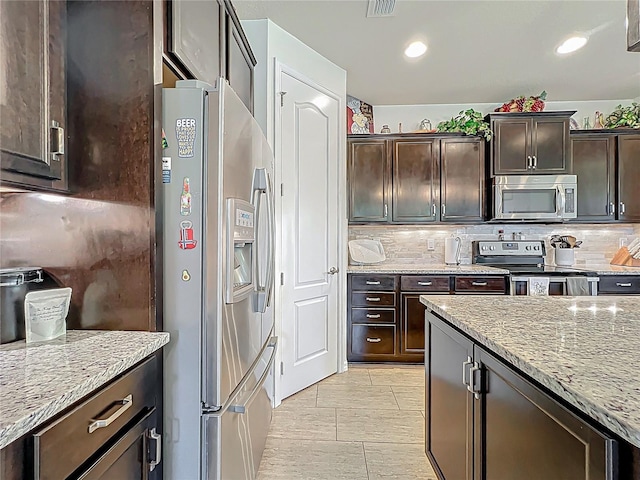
(535, 197)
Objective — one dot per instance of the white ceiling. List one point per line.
(479, 51)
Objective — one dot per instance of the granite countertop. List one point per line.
(583, 349)
(427, 269)
(607, 269)
(37, 381)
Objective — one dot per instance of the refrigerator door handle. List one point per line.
(262, 186)
(272, 242)
(242, 406)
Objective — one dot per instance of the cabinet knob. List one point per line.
(374, 340)
(386, 210)
(535, 162)
(529, 162)
(444, 209)
(158, 439)
(433, 208)
(612, 208)
(622, 208)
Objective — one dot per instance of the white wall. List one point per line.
(272, 45)
(411, 115)
(269, 43)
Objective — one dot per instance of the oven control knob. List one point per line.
(536, 247)
(528, 247)
(492, 247)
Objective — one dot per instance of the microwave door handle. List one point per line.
(560, 202)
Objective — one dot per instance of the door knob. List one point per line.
(333, 271)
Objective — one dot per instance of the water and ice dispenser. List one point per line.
(239, 269)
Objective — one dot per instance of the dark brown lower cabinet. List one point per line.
(128, 457)
(386, 318)
(486, 421)
(412, 325)
(449, 432)
(112, 434)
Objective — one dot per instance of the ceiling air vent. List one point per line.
(381, 8)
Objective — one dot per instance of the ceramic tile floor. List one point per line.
(365, 424)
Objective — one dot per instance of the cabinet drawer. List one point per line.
(480, 285)
(373, 340)
(373, 282)
(372, 315)
(78, 431)
(373, 299)
(424, 283)
(619, 284)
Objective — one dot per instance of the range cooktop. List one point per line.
(519, 257)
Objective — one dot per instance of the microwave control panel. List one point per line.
(569, 200)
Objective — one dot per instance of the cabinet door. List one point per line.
(128, 457)
(522, 433)
(628, 177)
(550, 145)
(33, 93)
(633, 25)
(594, 165)
(412, 325)
(449, 428)
(511, 145)
(415, 180)
(462, 187)
(194, 39)
(239, 61)
(369, 174)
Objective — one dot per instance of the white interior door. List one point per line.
(309, 147)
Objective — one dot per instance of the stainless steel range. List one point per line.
(525, 260)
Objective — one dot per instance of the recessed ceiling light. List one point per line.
(416, 49)
(572, 44)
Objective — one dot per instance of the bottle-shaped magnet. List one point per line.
(185, 198)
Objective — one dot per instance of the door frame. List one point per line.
(341, 277)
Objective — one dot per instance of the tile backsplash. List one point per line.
(407, 244)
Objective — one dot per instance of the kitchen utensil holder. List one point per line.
(565, 257)
(623, 258)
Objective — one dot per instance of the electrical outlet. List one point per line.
(431, 244)
(622, 242)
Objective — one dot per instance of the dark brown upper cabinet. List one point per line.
(462, 179)
(608, 171)
(594, 164)
(416, 179)
(530, 143)
(369, 180)
(633, 25)
(205, 40)
(33, 112)
(628, 178)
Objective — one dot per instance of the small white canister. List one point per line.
(565, 257)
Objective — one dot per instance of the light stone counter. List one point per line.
(427, 269)
(584, 349)
(607, 269)
(37, 381)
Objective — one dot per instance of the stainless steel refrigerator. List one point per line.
(218, 276)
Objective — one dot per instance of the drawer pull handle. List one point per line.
(479, 284)
(623, 284)
(126, 403)
(374, 340)
(371, 315)
(369, 282)
(158, 439)
(425, 284)
(373, 299)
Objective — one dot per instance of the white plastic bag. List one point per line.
(45, 313)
